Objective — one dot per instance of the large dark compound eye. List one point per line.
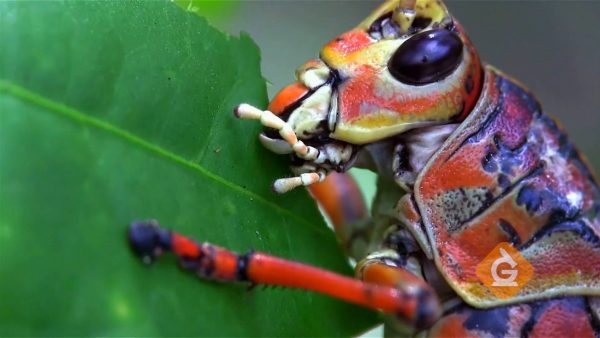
(426, 57)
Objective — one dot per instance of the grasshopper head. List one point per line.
(407, 65)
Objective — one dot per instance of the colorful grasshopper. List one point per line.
(466, 160)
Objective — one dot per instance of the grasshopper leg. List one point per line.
(211, 262)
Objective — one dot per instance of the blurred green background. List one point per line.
(550, 46)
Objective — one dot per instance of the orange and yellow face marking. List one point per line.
(372, 103)
(346, 48)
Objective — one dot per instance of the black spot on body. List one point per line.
(503, 181)
(509, 230)
(488, 162)
(530, 197)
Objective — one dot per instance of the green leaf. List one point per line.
(117, 111)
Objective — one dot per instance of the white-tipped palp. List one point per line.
(247, 112)
(268, 119)
(284, 185)
(277, 146)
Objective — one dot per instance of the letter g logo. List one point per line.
(504, 271)
(506, 281)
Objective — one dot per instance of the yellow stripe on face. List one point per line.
(359, 135)
(376, 126)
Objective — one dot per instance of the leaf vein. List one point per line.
(64, 110)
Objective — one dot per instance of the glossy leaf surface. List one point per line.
(116, 111)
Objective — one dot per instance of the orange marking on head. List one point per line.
(348, 43)
(359, 101)
(286, 97)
